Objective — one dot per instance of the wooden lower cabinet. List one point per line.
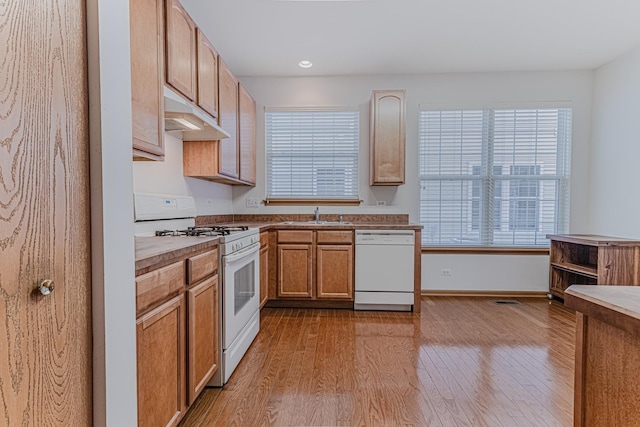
(315, 265)
(295, 279)
(178, 336)
(334, 272)
(264, 274)
(161, 364)
(203, 301)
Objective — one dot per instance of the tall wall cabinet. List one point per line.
(388, 136)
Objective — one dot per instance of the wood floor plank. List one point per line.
(460, 362)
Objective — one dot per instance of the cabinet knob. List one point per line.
(46, 287)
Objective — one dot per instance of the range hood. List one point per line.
(180, 115)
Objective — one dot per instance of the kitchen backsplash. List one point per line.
(275, 218)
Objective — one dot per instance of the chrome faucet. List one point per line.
(317, 212)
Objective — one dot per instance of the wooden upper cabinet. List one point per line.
(247, 135)
(181, 50)
(228, 85)
(147, 78)
(207, 75)
(388, 134)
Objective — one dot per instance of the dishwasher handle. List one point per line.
(385, 237)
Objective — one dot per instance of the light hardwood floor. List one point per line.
(461, 362)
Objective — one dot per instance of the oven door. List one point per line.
(241, 279)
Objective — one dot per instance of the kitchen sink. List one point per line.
(315, 223)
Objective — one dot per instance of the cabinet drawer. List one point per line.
(157, 285)
(264, 238)
(201, 266)
(295, 236)
(335, 237)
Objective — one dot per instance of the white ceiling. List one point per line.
(270, 37)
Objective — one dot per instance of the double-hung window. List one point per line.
(494, 177)
(312, 154)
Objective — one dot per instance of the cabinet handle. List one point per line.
(46, 287)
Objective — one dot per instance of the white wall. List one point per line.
(475, 90)
(614, 205)
(166, 177)
(112, 247)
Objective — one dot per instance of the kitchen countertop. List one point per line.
(155, 252)
(616, 305)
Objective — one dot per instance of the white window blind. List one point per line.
(312, 154)
(494, 177)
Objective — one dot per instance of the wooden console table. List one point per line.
(607, 369)
(583, 259)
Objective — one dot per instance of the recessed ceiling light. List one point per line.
(305, 64)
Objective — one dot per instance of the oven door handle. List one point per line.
(241, 254)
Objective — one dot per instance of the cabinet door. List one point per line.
(207, 75)
(203, 335)
(161, 364)
(247, 135)
(264, 275)
(147, 78)
(228, 120)
(334, 272)
(295, 278)
(387, 137)
(181, 50)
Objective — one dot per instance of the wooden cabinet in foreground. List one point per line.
(295, 268)
(388, 134)
(161, 364)
(592, 260)
(146, 19)
(334, 263)
(178, 336)
(181, 50)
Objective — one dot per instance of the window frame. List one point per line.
(562, 180)
(353, 160)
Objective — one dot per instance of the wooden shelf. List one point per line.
(580, 259)
(584, 270)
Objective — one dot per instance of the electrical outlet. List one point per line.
(381, 203)
(252, 202)
(445, 272)
(209, 202)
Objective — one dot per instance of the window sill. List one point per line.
(311, 202)
(471, 250)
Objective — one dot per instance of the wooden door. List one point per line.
(247, 135)
(45, 341)
(334, 272)
(181, 50)
(228, 120)
(295, 278)
(207, 75)
(161, 364)
(147, 78)
(203, 335)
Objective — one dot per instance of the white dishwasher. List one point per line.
(384, 270)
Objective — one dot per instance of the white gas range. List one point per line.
(239, 248)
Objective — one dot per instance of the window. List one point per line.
(494, 177)
(312, 154)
